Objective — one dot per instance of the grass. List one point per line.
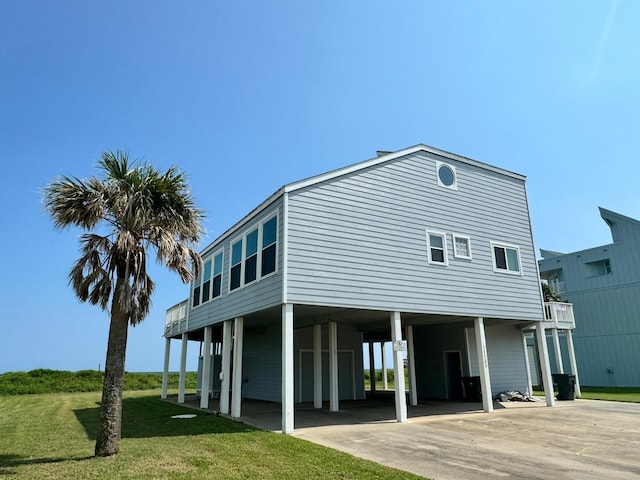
(614, 394)
(52, 436)
(48, 381)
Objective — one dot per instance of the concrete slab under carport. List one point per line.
(581, 439)
(442, 440)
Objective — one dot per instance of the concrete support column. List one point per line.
(572, 361)
(225, 370)
(383, 356)
(398, 367)
(527, 366)
(483, 365)
(236, 381)
(372, 367)
(287, 368)
(413, 391)
(333, 367)
(206, 369)
(183, 367)
(317, 366)
(545, 369)
(165, 370)
(556, 349)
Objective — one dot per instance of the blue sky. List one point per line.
(248, 96)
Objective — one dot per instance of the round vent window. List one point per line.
(446, 175)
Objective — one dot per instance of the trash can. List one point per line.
(566, 386)
(471, 389)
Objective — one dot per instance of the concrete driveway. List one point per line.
(581, 439)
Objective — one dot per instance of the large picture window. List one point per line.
(254, 255)
(506, 258)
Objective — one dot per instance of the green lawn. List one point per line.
(614, 394)
(51, 436)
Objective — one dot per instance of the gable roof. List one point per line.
(386, 157)
(382, 157)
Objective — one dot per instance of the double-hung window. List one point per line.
(207, 285)
(217, 276)
(254, 255)
(437, 248)
(206, 281)
(251, 257)
(506, 258)
(235, 275)
(269, 238)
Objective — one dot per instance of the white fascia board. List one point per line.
(249, 217)
(392, 156)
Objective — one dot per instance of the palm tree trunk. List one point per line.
(108, 436)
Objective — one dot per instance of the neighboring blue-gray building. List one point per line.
(430, 250)
(603, 283)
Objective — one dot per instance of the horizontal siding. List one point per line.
(264, 293)
(262, 364)
(360, 241)
(606, 308)
(505, 351)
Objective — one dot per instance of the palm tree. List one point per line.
(133, 206)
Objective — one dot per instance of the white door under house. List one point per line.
(346, 376)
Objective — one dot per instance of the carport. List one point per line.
(250, 349)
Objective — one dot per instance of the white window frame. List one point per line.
(454, 185)
(261, 248)
(259, 226)
(455, 247)
(240, 238)
(444, 248)
(506, 246)
(204, 280)
(213, 272)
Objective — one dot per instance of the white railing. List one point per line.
(560, 314)
(176, 319)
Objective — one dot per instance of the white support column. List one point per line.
(236, 381)
(372, 367)
(383, 355)
(206, 369)
(183, 367)
(527, 366)
(483, 365)
(556, 349)
(287, 368)
(545, 373)
(413, 391)
(572, 361)
(333, 367)
(165, 370)
(317, 366)
(398, 368)
(225, 370)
